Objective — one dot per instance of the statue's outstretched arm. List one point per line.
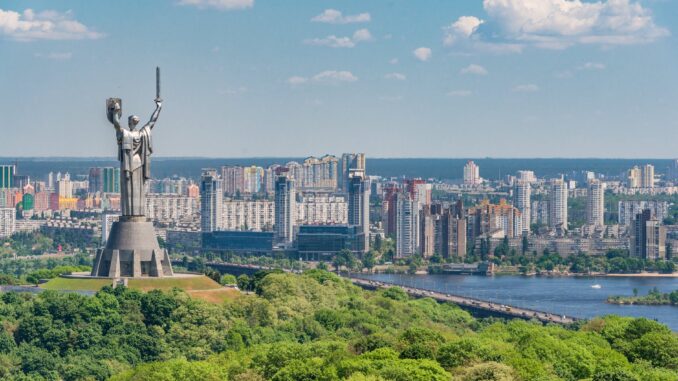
(154, 117)
(114, 117)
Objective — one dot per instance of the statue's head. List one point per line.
(132, 122)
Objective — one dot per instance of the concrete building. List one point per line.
(359, 203)
(635, 177)
(672, 172)
(7, 222)
(107, 220)
(95, 180)
(486, 218)
(648, 176)
(348, 162)
(321, 173)
(253, 179)
(595, 203)
(321, 209)
(171, 209)
(252, 215)
(558, 204)
(234, 179)
(285, 208)
(628, 209)
(471, 173)
(522, 192)
(211, 201)
(648, 238)
(527, 176)
(407, 228)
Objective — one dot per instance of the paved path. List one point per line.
(503, 309)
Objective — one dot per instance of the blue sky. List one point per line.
(435, 78)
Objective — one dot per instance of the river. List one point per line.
(572, 296)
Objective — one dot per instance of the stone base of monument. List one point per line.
(132, 250)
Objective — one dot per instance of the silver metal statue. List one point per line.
(134, 153)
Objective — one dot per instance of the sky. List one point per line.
(391, 78)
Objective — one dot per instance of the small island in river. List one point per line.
(653, 298)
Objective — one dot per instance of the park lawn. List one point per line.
(184, 283)
(217, 296)
(75, 284)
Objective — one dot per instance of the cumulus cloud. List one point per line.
(46, 25)
(396, 76)
(327, 76)
(333, 16)
(459, 93)
(422, 54)
(360, 35)
(463, 28)
(553, 24)
(474, 69)
(222, 5)
(393, 61)
(557, 24)
(527, 88)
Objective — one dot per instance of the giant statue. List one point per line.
(132, 248)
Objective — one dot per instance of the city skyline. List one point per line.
(484, 79)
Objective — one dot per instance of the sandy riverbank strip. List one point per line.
(645, 275)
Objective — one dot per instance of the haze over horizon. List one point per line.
(250, 78)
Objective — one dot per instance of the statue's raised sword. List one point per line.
(157, 84)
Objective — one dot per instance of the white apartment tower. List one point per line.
(648, 176)
(558, 204)
(595, 203)
(522, 193)
(471, 173)
(406, 226)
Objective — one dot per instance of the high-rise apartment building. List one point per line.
(285, 209)
(253, 179)
(648, 237)
(635, 177)
(111, 179)
(558, 204)
(451, 234)
(211, 201)
(527, 176)
(7, 222)
(321, 173)
(522, 192)
(233, 178)
(471, 173)
(359, 203)
(672, 173)
(407, 227)
(486, 218)
(595, 203)
(628, 209)
(648, 176)
(65, 188)
(348, 162)
(95, 180)
(7, 173)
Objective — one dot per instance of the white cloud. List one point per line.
(422, 54)
(333, 16)
(393, 61)
(463, 28)
(459, 93)
(223, 5)
(331, 41)
(65, 56)
(558, 24)
(334, 76)
(474, 69)
(396, 76)
(327, 76)
(360, 35)
(46, 25)
(592, 66)
(528, 88)
(296, 80)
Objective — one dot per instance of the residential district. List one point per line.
(314, 209)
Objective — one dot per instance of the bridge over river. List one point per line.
(476, 306)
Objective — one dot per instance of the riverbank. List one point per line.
(653, 298)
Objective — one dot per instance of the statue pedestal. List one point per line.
(132, 250)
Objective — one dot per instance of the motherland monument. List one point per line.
(132, 249)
